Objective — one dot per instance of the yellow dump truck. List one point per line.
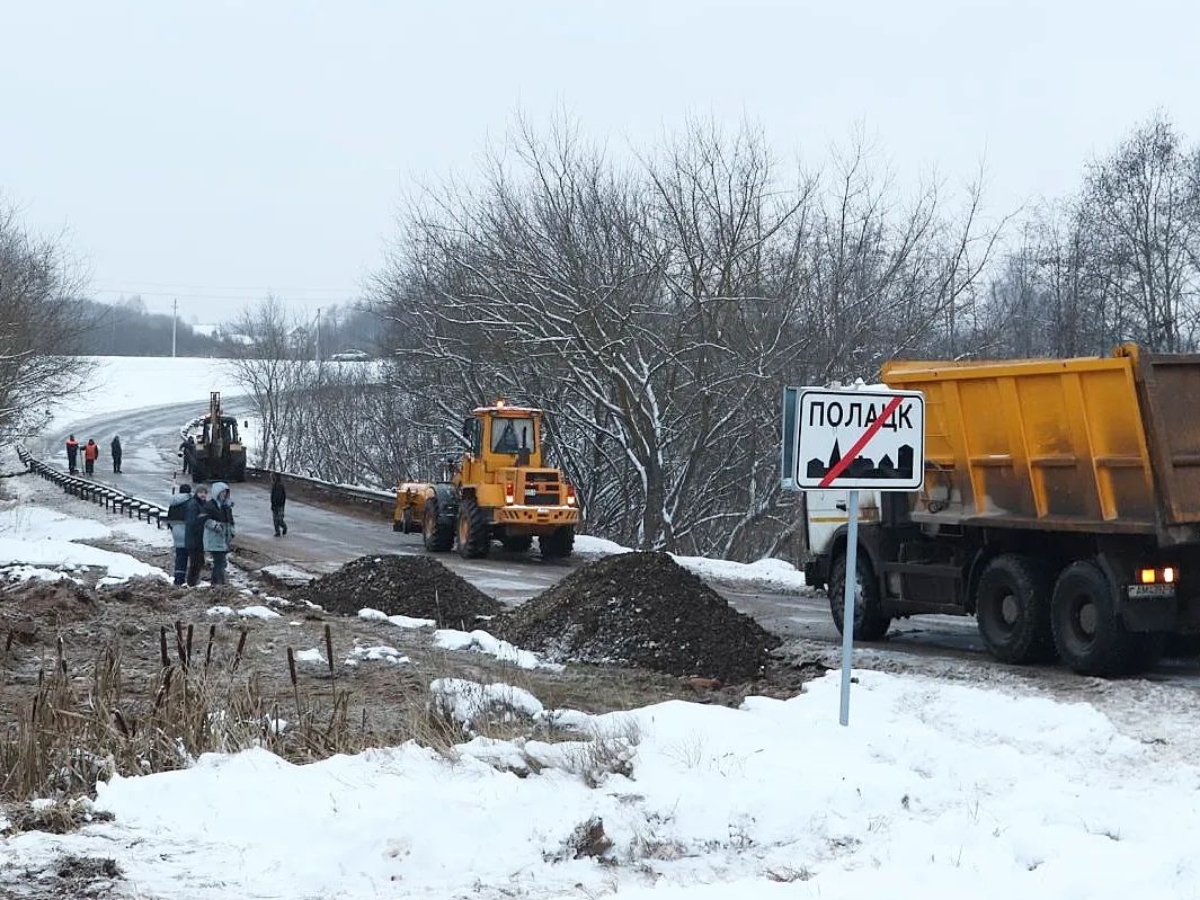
(1061, 507)
(498, 491)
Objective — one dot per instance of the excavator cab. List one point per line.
(220, 453)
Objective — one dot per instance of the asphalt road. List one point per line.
(321, 538)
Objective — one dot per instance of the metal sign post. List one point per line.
(858, 439)
(848, 595)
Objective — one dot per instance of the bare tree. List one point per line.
(1143, 205)
(39, 329)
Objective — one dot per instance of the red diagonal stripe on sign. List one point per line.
(853, 452)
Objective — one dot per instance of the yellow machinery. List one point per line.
(1061, 507)
(499, 490)
(220, 454)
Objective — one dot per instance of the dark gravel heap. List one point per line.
(417, 586)
(641, 609)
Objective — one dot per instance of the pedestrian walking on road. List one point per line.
(218, 529)
(188, 451)
(116, 454)
(193, 521)
(72, 454)
(91, 452)
(177, 522)
(278, 501)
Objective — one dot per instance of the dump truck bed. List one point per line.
(1095, 444)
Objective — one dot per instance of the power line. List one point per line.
(133, 285)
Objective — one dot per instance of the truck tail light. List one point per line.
(509, 493)
(1165, 575)
(571, 501)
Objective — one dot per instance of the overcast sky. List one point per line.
(214, 152)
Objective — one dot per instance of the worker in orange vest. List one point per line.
(72, 454)
(90, 454)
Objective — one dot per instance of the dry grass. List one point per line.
(71, 734)
(87, 720)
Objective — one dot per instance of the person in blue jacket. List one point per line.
(219, 529)
(177, 522)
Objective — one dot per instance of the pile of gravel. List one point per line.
(416, 586)
(641, 609)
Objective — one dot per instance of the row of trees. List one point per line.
(656, 310)
(1119, 260)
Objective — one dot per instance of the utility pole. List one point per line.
(174, 324)
(318, 334)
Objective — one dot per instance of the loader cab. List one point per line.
(501, 436)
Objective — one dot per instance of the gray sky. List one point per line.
(217, 151)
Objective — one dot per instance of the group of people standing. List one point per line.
(201, 522)
(91, 452)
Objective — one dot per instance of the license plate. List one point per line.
(1146, 591)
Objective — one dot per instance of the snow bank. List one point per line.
(375, 615)
(935, 790)
(482, 642)
(466, 701)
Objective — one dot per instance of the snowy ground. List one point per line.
(940, 787)
(936, 790)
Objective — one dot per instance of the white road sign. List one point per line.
(860, 440)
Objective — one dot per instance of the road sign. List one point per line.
(859, 440)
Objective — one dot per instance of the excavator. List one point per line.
(498, 491)
(219, 454)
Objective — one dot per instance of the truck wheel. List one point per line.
(558, 544)
(474, 530)
(517, 543)
(439, 536)
(1089, 635)
(870, 624)
(1012, 609)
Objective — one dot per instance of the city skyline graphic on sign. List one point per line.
(865, 467)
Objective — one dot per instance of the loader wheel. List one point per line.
(439, 536)
(474, 530)
(407, 525)
(870, 624)
(558, 544)
(1012, 609)
(517, 543)
(1089, 635)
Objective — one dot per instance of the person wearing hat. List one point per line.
(177, 522)
(194, 517)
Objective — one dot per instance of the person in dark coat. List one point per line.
(187, 450)
(218, 529)
(116, 454)
(278, 501)
(72, 454)
(91, 452)
(177, 522)
(193, 521)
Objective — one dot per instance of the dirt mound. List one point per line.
(417, 586)
(641, 609)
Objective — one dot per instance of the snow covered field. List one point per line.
(937, 789)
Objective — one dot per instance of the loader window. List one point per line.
(473, 434)
(512, 435)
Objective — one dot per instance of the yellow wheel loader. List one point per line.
(499, 490)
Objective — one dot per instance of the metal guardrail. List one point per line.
(133, 507)
(383, 501)
(87, 489)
